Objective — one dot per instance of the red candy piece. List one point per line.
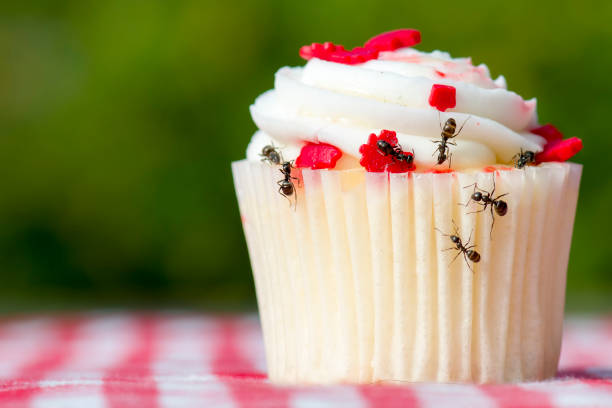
(318, 156)
(375, 161)
(559, 150)
(442, 97)
(357, 55)
(388, 41)
(337, 53)
(321, 51)
(393, 40)
(548, 132)
(556, 149)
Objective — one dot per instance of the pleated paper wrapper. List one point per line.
(353, 285)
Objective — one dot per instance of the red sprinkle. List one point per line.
(375, 161)
(440, 73)
(318, 156)
(442, 97)
(559, 150)
(491, 169)
(548, 132)
(337, 53)
(392, 40)
(440, 171)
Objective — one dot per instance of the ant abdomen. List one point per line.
(286, 187)
(501, 207)
(473, 255)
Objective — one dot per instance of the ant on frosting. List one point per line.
(486, 199)
(465, 249)
(396, 152)
(448, 132)
(523, 158)
(286, 187)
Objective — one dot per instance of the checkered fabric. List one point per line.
(187, 360)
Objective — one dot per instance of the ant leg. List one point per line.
(466, 204)
(492, 223)
(467, 262)
(451, 262)
(500, 196)
(450, 159)
(493, 191)
(283, 194)
(440, 121)
(477, 211)
(448, 249)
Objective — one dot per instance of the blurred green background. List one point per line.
(119, 120)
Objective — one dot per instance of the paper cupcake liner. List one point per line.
(353, 286)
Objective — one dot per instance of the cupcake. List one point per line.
(407, 219)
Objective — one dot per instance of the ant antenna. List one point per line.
(464, 122)
(456, 228)
(440, 231)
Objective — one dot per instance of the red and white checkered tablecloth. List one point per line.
(188, 360)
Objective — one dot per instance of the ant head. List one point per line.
(454, 238)
(477, 196)
(267, 150)
(409, 158)
(287, 167)
(530, 155)
(450, 125)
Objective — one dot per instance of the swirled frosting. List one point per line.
(342, 104)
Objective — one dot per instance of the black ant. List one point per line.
(286, 186)
(448, 132)
(271, 154)
(523, 158)
(395, 152)
(486, 199)
(466, 250)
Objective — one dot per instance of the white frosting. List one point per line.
(342, 104)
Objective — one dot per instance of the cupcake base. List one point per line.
(353, 284)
